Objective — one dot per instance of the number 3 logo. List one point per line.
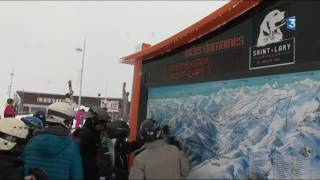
(291, 23)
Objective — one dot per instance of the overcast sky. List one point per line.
(38, 41)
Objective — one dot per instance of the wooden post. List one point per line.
(135, 101)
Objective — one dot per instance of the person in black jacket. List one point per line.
(119, 130)
(105, 157)
(88, 139)
(13, 134)
(169, 138)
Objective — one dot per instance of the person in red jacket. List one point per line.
(9, 110)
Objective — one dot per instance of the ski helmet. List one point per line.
(150, 130)
(12, 132)
(32, 122)
(60, 113)
(118, 129)
(98, 115)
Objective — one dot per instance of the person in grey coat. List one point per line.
(159, 160)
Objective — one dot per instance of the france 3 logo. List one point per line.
(291, 23)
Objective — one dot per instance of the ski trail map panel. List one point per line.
(266, 126)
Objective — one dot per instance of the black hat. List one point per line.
(10, 101)
(98, 115)
(118, 129)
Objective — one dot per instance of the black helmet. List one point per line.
(97, 115)
(150, 130)
(118, 129)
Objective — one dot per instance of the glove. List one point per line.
(38, 173)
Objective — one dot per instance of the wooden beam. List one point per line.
(135, 101)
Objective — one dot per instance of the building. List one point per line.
(29, 102)
(240, 89)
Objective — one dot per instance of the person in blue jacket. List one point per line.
(52, 148)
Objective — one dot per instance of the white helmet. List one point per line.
(60, 113)
(11, 132)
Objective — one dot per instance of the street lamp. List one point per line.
(83, 52)
(10, 86)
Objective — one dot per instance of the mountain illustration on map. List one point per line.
(263, 127)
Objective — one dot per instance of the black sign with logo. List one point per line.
(275, 39)
(280, 53)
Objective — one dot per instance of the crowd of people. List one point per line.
(44, 146)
